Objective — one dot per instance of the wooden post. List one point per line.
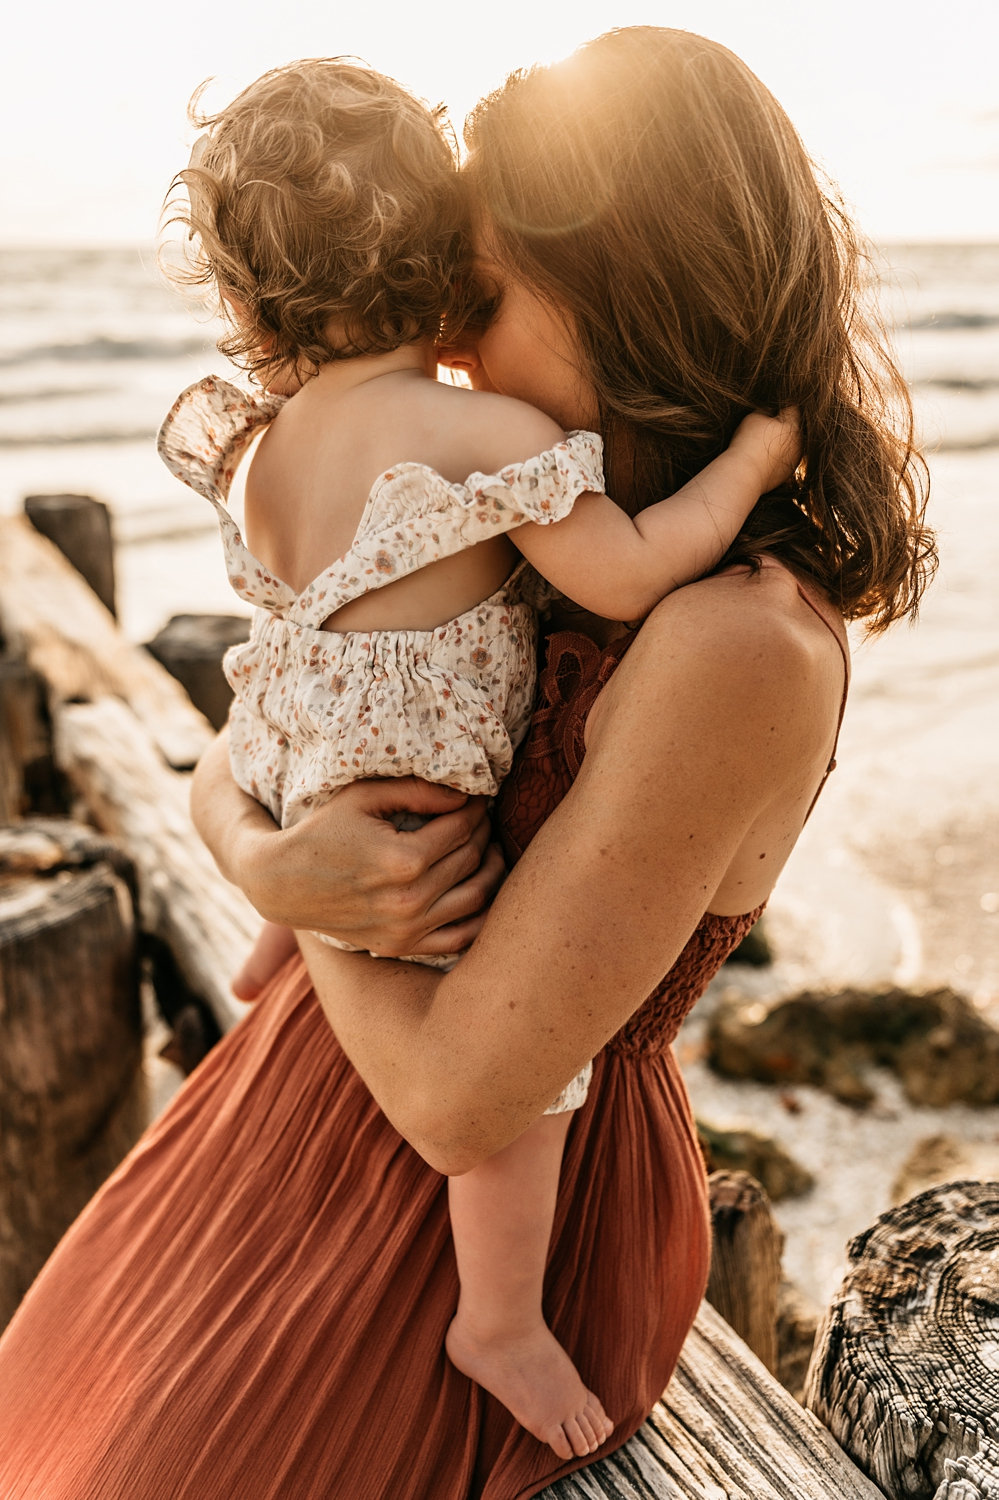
(29, 781)
(72, 1095)
(191, 647)
(906, 1365)
(80, 527)
(745, 1261)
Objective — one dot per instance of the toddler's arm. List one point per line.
(620, 566)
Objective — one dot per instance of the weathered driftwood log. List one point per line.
(49, 616)
(40, 846)
(207, 923)
(745, 1261)
(724, 1430)
(117, 716)
(72, 1097)
(942, 1048)
(191, 647)
(973, 1476)
(80, 527)
(906, 1365)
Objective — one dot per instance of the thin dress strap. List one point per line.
(839, 636)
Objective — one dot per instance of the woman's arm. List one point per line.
(701, 762)
(347, 870)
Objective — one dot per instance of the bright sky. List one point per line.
(897, 98)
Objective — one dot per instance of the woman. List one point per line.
(255, 1304)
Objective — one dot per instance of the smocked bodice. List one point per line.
(546, 767)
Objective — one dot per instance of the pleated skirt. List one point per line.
(254, 1305)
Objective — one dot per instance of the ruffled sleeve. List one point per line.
(203, 437)
(208, 429)
(544, 489)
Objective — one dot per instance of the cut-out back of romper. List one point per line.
(315, 709)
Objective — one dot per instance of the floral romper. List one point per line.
(317, 709)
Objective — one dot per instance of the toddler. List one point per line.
(398, 527)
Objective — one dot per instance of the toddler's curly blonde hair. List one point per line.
(323, 206)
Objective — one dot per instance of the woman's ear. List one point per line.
(461, 359)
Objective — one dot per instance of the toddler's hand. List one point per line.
(771, 444)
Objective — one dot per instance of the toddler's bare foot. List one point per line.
(538, 1384)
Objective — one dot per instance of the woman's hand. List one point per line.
(346, 869)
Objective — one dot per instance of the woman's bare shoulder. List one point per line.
(738, 647)
(746, 617)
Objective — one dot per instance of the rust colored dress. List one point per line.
(254, 1306)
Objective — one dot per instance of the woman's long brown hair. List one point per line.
(653, 190)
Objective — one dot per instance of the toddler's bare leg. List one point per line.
(273, 947)
(501, 1219)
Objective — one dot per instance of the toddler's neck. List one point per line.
(342, 375)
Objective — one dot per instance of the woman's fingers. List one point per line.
(453, 939)
(405, 794)
(459, 864)
(433, 916)
(448, 831)
(349, 870)
(458, 915)
(442, 911)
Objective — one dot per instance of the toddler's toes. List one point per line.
(577, 1437)
(273, 948)
(557, 1440)
(589, 1432)
(598, 1418)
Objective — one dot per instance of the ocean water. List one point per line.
(94, 346)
